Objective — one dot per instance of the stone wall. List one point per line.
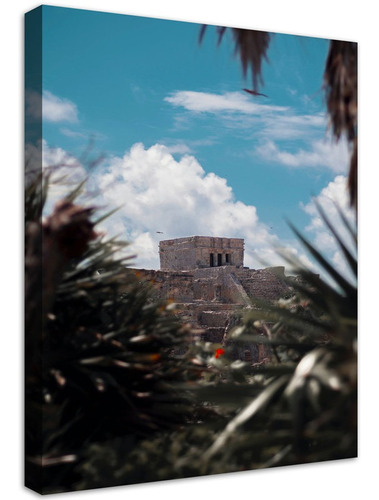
(198, 252)
(169, 285)
(178, 254)
(225, 284)
(263, 284)
(213, 298)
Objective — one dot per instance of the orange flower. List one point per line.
(219, 352)
(154, 357)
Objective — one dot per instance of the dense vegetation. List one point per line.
(118, 392)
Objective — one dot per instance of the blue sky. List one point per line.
(185, 150)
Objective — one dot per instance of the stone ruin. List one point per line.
(206, 278)
(200, 252)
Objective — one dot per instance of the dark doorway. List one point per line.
(219, 259)
(227, 258)
(211, 260)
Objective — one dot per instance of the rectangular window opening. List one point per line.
(211, 260)
(219, 259)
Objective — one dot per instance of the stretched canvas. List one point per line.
(190, 249)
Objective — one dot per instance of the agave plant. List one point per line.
(298, 407)
(305, 409)
(103, 357)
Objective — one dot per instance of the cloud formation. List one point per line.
(57, 109)
(50, 107)
(335, 193)
(271, 130)
(285, 126)
(177, 198)
(231, 102)
(320, 153)
(163, 198)
(65, 171)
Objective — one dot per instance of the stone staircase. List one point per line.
(212, 318)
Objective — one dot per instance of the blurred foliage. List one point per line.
(120, 393)
(107, 358)
(299, 406)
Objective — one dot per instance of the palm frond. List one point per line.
(341, 90)
(250, 45)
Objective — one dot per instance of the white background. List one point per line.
(349, 20)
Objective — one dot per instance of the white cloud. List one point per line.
(66, 172)
(274, 129)
(57, 109)
(321, 154)
(285, 126)
(240, 111)
(215, 103)
(50, 107)
(163, 198)
(335, 193)
(159, 194)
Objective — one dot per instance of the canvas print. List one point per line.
(190, 249)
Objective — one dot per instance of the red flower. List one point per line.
(219, 352)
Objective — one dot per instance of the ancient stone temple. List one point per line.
(198, 252)
(206, 278)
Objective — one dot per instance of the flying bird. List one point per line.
(159, 232)
(254, 92)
